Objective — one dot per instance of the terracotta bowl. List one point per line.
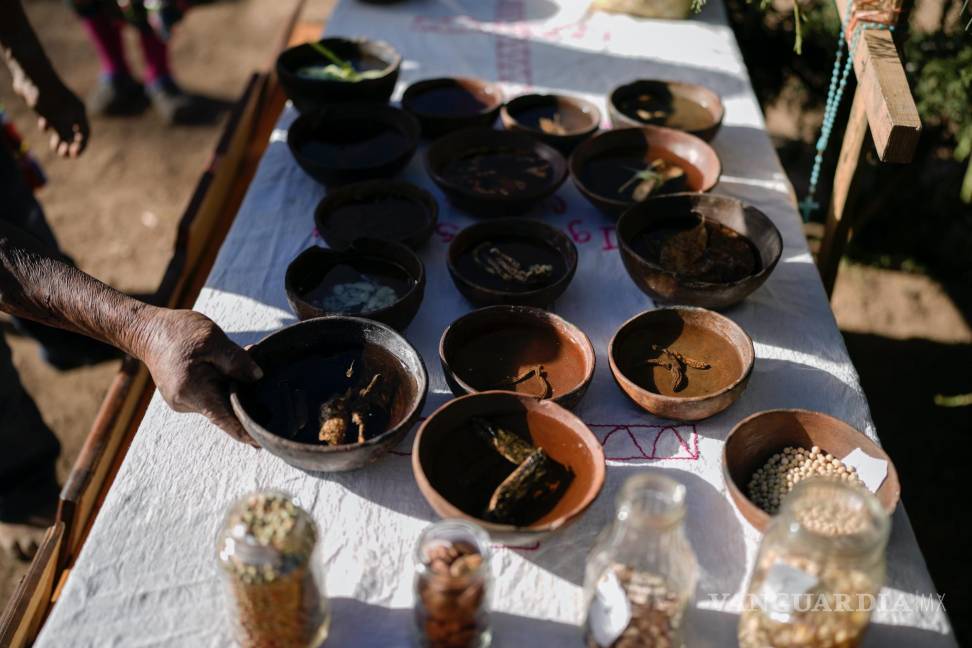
(659, 283)
(376, 209)
(306, 271)
(697, 110)
(311, 94)
(345, 143)
(700, 335)
(458, 145)
(487, 349)
(756, 438)
(301, 364)
(452, 103)
(595, 179)
(480, 289)
(579, 118)
(445, 448)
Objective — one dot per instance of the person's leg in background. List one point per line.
(117, 92)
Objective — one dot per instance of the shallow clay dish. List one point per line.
(351, 142)
(765, 244)
(758, 437)
(686, 107)
(558, 120)
(602, 164)
(700, 335)
(311, 277)
(387, 209)
(452, 103)
(494, 173)
(302, 364)
(528, 242)
(446, 448)
(493, 347)
(365, 55)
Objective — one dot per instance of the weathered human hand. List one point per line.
(193, 362)
(62, 114)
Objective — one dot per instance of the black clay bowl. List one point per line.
(387, 209)
(603, 164)
(558, 120)
(637, 355)
(350, 142)
(365, 55)
(686, 107)
(452, 103)
(446, 452)
(304, 365)
(528, 242)
(655, 214)
(758, 437)
(498, 347)
(492, 173)
(311, 279)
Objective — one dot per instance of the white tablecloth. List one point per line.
(146, 575)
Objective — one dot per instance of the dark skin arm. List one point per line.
(34, 79)
(190, 358)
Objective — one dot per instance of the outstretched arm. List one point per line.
(190, 358)
(34, 79)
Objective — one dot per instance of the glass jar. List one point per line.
(819, 569)
(453, 583)
(265, 549)
(642, 571)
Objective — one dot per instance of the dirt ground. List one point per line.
(115, 211)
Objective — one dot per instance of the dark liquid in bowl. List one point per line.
(345, 287)
(569, 119)
(355, 145)
(499, 172)
(606, 174)
(388, 217)
(673, 111)
(526, 252)
(287, 401)
(728, 256)
(444, 101)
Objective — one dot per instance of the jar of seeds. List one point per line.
(452, 586)
(642, 571)
(819, 569)
(265, 549)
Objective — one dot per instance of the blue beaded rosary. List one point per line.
(838, 80)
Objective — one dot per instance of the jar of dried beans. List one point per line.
(819, 569)
(265, 549)
(642, 572)
(452, 586)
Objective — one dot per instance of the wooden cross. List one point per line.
(882, 102)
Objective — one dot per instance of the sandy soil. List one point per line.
(116, 211)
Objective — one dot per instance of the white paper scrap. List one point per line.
(871, 470)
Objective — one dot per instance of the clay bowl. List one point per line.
(387, 209)
(303, 365)
(363, 54)
(446, 449)
(351, 142)
(701, 335)
(450, 158)
(528, 241)
(452, 103)
(756, 438)
(486, 349)
(603, 163)
(659, 283)
(395, 265)
(688, 107)
(578, 118)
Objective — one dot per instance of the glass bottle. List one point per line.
(819, 569)
(453, 583)
(642, 571)
(265, 550)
